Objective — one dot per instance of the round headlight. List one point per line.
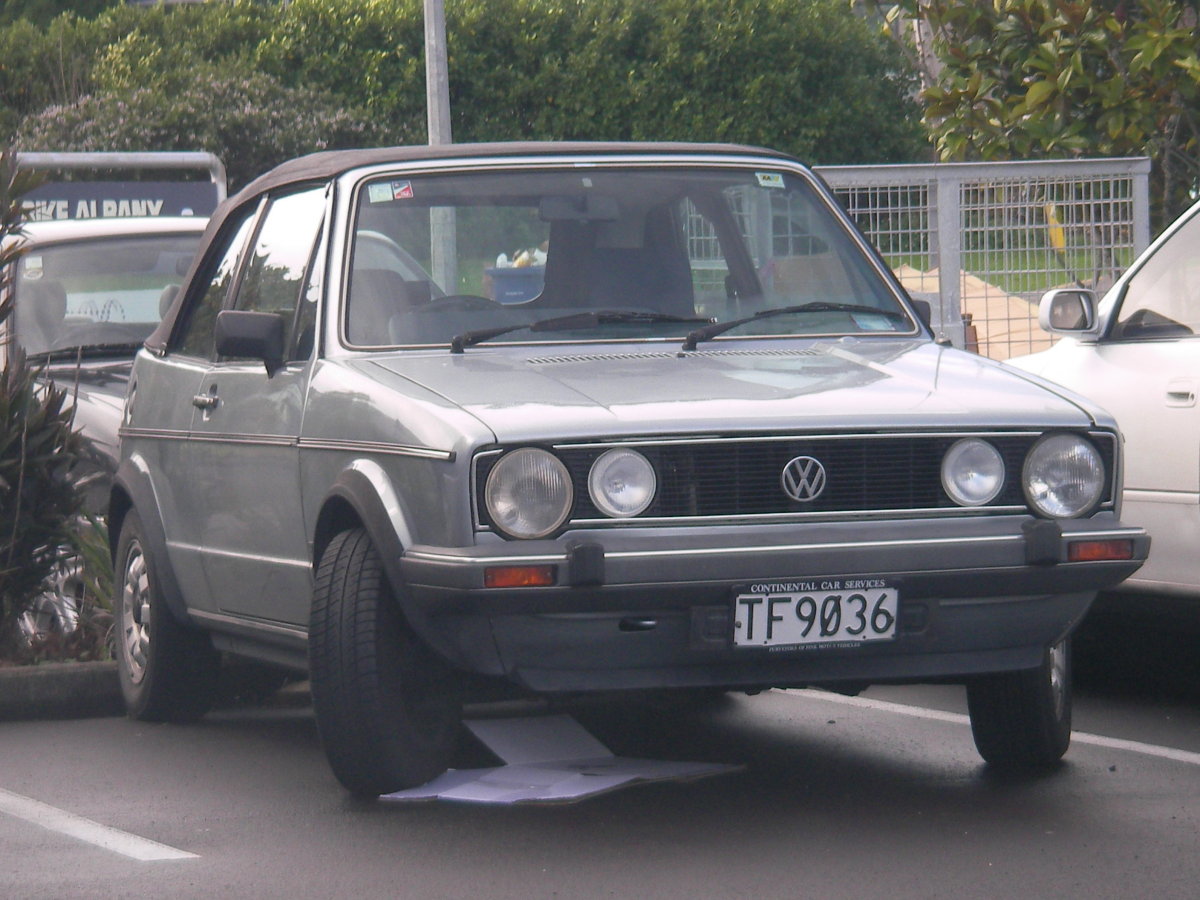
(621, 483)
(1063, 476)
(972, 472)
(528, 493)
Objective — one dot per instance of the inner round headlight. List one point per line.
(1063, 476)
(528, 493)
(972, 472)
(621, 483)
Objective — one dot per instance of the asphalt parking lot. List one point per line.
(876, 796)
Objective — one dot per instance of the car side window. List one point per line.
(282, 251)
(197, 336)
(304, 328)
(1162, 299)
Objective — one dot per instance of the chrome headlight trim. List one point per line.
(973, 472)
(529, 493)
(1063, 476)
(622, 483)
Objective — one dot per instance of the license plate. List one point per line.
(845, 611)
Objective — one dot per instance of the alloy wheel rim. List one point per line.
(1058, 678)
(135, 614)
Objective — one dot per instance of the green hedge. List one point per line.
(805, 76)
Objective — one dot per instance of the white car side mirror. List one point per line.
(1069, 311)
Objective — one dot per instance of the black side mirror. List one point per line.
(245, 334)
(924, 311)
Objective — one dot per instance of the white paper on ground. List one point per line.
(548, 759)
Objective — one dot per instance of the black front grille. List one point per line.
(739, 477)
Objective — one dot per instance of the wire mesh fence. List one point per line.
(1008, 231)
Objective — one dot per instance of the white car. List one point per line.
(86, 294)
(1136, 352)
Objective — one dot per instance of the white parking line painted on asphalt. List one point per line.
(920, 712)
(102, 836)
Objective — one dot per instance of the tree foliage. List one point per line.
(247, 118)
(41, 12)
(1025, 79)
(807, 77)
(757, 71)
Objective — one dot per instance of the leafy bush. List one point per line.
(39, 450)
(249, 119)
(1023, 79)
(38, 496)
(810, 78)
(40, 67)
(43, 11)
(72, 57)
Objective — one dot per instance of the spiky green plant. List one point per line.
(39, 450)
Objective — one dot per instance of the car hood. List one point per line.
(527, 393)
(97, 389)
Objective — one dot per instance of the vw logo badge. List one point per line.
(803, 479)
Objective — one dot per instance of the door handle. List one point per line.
(205, 401)
(1181, 392)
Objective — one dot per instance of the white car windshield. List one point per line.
(607, 253)
(98, 293)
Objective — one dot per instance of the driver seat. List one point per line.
(46, 302)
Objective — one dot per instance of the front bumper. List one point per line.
(633, 608)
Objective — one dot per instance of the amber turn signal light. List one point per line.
(519, 576)
(1099, 551)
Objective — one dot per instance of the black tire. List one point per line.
(1022, 720)
(168, 672)
(388, 710)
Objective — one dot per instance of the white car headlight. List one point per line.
(621, 483)
(972, 472)
(1063, 476)
(529, 493)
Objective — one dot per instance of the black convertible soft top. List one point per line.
(329, 164)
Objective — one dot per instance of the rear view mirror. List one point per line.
(579, 208)
(1068, 311)
(245, 334)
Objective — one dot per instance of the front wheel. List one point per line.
(168, 672)
(1022, 720)
(387, 708)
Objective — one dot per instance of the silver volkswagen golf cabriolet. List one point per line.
(426, 422)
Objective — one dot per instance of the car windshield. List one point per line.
(97, 293)
(606, 253)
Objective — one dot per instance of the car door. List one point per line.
(1146, 372)
(159, 407)
(243, 445)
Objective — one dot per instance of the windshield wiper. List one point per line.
(711, 331)
(589, 319)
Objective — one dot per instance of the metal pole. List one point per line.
(437, 74)
(442, 237)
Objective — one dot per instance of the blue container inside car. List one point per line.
(516, 284)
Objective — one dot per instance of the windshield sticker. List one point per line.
(33, 268)
(385, 192)
(769, 179)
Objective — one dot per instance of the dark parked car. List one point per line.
(86, 294)
(694, 438)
